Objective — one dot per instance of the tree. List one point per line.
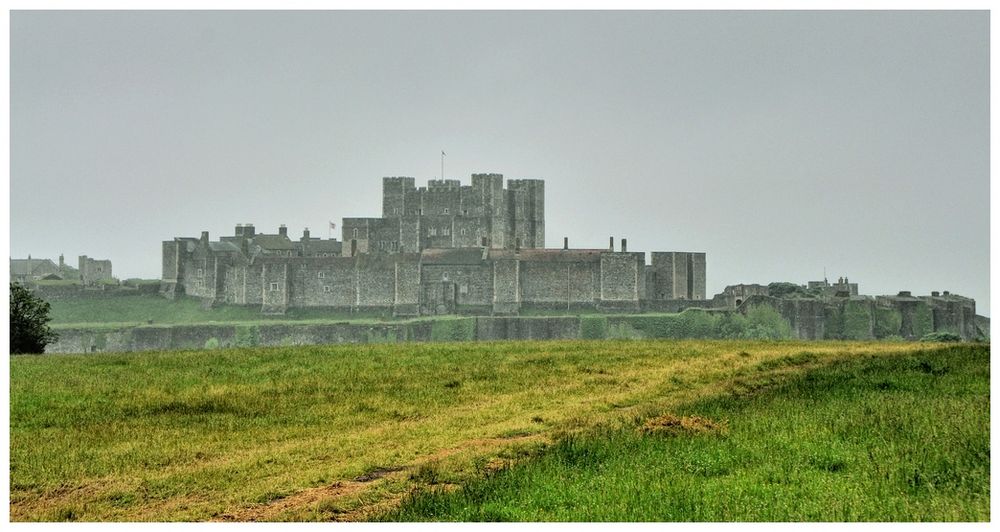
(29, 322)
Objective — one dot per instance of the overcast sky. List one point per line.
(778, 143)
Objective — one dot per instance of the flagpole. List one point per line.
(442, 165)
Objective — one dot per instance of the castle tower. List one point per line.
(394, 192)
(493, 225)
(527, 203)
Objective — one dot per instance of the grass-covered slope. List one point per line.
(140, 309)
(867, 439)
(344, 432)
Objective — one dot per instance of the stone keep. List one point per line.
(447, 214)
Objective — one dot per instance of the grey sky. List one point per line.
(777, 143)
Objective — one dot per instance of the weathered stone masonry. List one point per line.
(439, 249)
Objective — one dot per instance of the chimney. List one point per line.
(62, 261)
(624, 245)
(239, 229)
(565, 242)
(935, 293)
(305, 234)
(611, 243)
(947, 293)
(248, 230)
(283, 231)
(204, 237)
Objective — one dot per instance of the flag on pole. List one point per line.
(442, 152)
(333, 225)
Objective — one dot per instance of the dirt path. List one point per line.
(343, 489)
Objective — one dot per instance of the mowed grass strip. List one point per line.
(232, 433)
(866, 439)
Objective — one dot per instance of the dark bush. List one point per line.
(29, 322)
(941, 337)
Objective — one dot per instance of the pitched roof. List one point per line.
(317, 244)
(223, 246)
(20, 266)
(275, 242)
(553, 255)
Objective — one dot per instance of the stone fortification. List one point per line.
(440, 249)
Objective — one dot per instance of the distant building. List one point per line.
(93, 270)
(29, 269)
(843, 287)
(734, 295)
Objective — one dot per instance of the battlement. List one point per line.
(448, 214)
(436, 184)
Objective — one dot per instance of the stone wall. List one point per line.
(559, 282)
(513, 328)
(676, 275)
(93, 270)
(447, 214)
(622, 277)
(506, 286)
(867, 318)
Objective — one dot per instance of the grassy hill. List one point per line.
(347, 432)
(867, 439)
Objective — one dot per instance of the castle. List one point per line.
(440, 249)
(90, 271)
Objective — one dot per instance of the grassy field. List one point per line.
(868, 439)
(347, 432)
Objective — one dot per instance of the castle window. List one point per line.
(321, 275)
(201, 272)
(433, 231)
(445, 232)
(355, 233)
(327, 289)
(446, 210)
(395, 211)
(465, 212)
(274, 287)
(464, 289)
(463, 232)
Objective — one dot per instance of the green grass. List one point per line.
(57, 282)
(194, 435)
(134, 309)
(900, 438)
